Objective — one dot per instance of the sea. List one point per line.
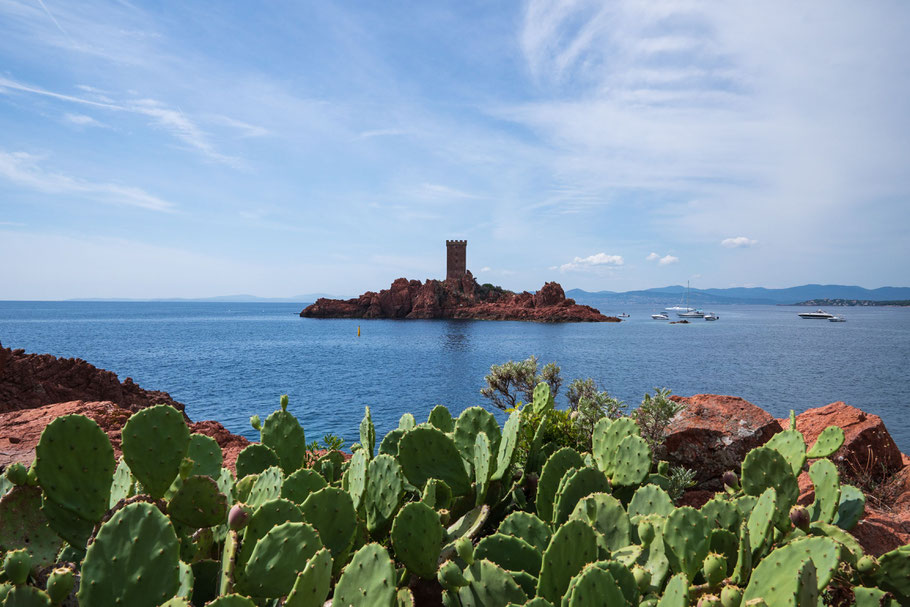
(228, 361)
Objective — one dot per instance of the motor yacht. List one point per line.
(817, 315)
(711, 316)
(691, 314)
(660, 316)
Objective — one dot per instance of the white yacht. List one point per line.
(691, 314)
(817, 315)
(711, 316)
(681, 308)
(660, 316)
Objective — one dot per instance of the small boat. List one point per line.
(837, 319)
(660, 316)
(691, 314)
(624, 315)
(817, 315)
(711, 316)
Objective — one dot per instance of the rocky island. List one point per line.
(458, 296)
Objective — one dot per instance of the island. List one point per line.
(459, 296)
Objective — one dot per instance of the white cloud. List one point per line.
(485, 269)
(667, 260)
(652, 257)
(23, 169)
(81, 120)
(739, 241)
(598, 260)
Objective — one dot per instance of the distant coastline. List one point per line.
(853, 302)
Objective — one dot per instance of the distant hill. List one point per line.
(242, 298)
(738, 295)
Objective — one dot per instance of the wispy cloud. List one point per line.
(667, 260)
(381, 133)
(173, 120)
(598, 260)
(82, 120)
(23, 170)
(739, 241)
(652, 257)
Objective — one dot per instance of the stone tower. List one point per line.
(456, 259)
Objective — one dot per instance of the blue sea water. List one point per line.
(228, 361)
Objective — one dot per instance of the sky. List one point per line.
(192, 149)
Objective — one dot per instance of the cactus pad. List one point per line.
(489, 584)
(442, 419)
(776, 578)
(850, 508)
(428, 453)
(606, 515)
(792, 446)
(198, 503)
(368, 433)
(417, 538)
(312, 585)
(607, 436)
(556, 467)
(268, 515)
(266, 487)
(389, 442)
(74, 462)
(254, 459)
(761, 521)
(368, 580)
(827, 490)
(482, 471)
(763, 468)
(155, 441)
(650, 499)
(283, 434)
(278, 557)
(383, 492)
(25, 526)
(578, 484)
(507, 444)
(633, 462)
(687, 541)
(528, 527)
(827, 443)
(206, 455)
(594, 587)
(331, 512)
(572, 547)
(509, 552)
(134, 560)
(471, 421)
(299, 485)
(231, 600)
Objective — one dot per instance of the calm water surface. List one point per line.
(228, 361)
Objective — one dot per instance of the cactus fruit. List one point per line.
(556, 467)
(827, 443)
(426, 453)
(60, 584)
(383, 492)
(867, 565)
(278, 557)
(256, 423)
(442, 419)
(709, 600)
(24, 525)
(155, 441)
(799, 516)
(606, 515)
(368, 434)
(283, 434)
(17, 474)
(75, 464)
(528, 527)
(331, 512)
(239, 516)
(313, 583)
(687, 540)
(731, 596)
(134, 559)
(731, 481)
(571, 548)
(368, 580)
(16, 566)
(714, 569)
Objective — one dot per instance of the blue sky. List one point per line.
(206, 148)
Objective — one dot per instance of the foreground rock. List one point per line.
(458, 299)
(21, 430)
(33, 380)
(714, 433)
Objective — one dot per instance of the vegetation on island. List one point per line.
(460, 511)
(852, 302)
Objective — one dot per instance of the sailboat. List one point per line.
(689, 312)
(680, 307)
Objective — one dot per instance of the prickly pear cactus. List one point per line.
(594, 587)
(471, 421)
(572, 547)
(442, 419)
(553, 471)
(155, 441)
(687, 540)
(791, 445)
(528, 527)
(313, 583)
(509, 552)
(578, 484)
(198, 503)
(827, 443)
(417, 538)
(368, 433)
(134, 560)
(606, 515)
(74, 462)
(426, 453)
(331, 512)
(277, 558)
(826, 481)
(283, 434)
(25, 526)
(205, 454)
(650, 499)
(368, 580)
(254, 459)
(607, 436)
(776, 579)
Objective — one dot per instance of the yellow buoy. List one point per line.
(358, 330)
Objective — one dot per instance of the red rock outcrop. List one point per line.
(33, 380)
(714, 433)
(868, 449)
(408, 299)
(20, 430)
